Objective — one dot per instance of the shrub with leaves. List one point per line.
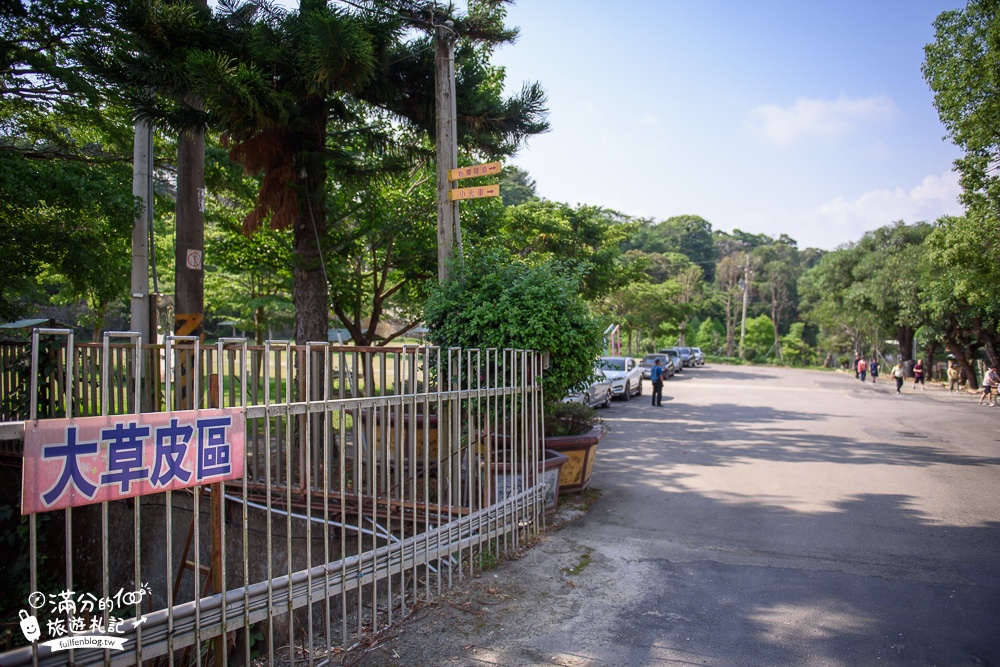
(570, 419)
(499, 301)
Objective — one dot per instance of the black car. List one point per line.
(649, 361)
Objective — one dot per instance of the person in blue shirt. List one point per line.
(656, 377)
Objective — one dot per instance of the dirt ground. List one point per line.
(475, 622)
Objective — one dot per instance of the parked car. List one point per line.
(675, 356)
(649, 361)
(699, 356)
(624, 374)
(597, 394)
(687, 356)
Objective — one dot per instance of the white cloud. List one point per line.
(825, 119)
(842, 220)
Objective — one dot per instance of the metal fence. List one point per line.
(374, 477)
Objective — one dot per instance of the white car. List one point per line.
(624, 374)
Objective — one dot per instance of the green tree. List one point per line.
(960, 67)
(962, 268)
(65, 190)
(777, 272)
(291, 93)
(247, 276)
(796, 350)
(70, 218)
(710, 336)
(587, 238)
(759, 339)
(502, 301)
(517, 187)
(641, 308)
(389, 246)
(688, 235)
(729, 293)
(871, 290)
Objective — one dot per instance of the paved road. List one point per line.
(765, 517)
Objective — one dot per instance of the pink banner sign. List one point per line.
(72, 462)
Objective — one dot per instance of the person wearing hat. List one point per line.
(990, 383)
(656, 376)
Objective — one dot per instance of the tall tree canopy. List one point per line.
(292, 93)
(65, 180)
(962, 67)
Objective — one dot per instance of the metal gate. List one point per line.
(374, 477)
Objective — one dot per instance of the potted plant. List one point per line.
(574, 430)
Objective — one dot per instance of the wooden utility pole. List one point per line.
(449, 232)
(142, 187)
(746, 290)
(189, 248)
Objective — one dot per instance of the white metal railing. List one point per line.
(373, 478)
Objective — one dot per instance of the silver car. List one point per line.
(597, 394)
(624, 374)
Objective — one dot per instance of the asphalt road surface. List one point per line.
(760, 517)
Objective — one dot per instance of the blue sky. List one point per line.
(804, 118)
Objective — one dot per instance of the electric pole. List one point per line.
(446, 130)
(189, 300)
(142, 188)
(746, 290)
(189, 248)
(189, 251)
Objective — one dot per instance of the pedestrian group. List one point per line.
(991, 381)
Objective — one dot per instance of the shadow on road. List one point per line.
(880, 581)
(735, 613)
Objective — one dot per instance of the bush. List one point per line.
(498, 301)
(570, 419)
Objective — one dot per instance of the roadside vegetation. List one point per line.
(316, 173)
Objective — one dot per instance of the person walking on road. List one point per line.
(873, 368)
(918, 374)
(656, 377)
(953, 376)
(897, 375)
(862, 368)
(990, 383)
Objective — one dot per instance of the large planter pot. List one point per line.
(409, 424)
(508, 480)
(580, 450)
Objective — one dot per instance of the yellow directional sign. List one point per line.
(187, 324)
(459, 194)
(476, 170)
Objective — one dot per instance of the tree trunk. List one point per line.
(988, 338)
(964, 358)
(905, 337)
(929, 353)
(775, 312)
(308, 273)
(730, 334)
